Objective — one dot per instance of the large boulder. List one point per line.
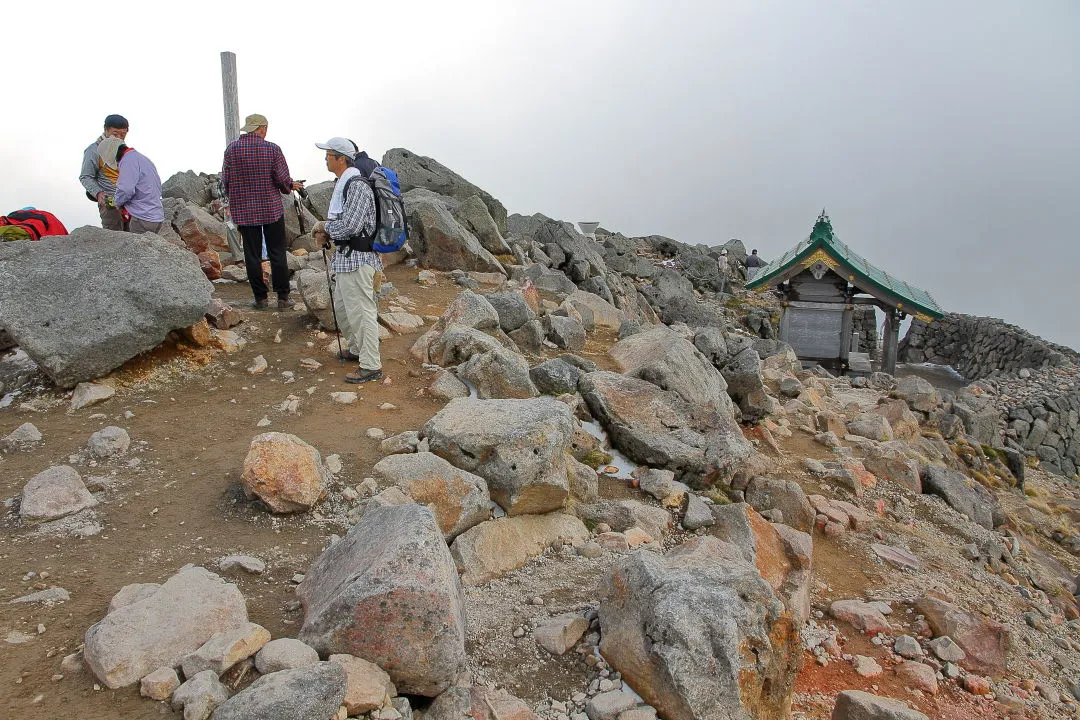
(200, 230)
(986, 644)
(918, 393)
(284, 472)
(389, 592)
(659, 428)
(782, 554)
(54, 493)
(440, 241)
(512, 309)
(458, 498)
(859, 705)
(470, 310)
(189, 186)
(78, 309)
(965, 496)
(518, 446)
(417, 171)
(293, 227)
(621, 515)
(667, 360)
(162, 628)
(728, 649)
(458, 343)
(890, 461)
(474, 214)
(494, 548)
(318, 198)
(498, 373)
(315, 292)
(770, 493)
(595, 311)
(313, 692)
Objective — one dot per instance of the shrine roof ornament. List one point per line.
(823, 248)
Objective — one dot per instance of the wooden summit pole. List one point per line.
(230, 96)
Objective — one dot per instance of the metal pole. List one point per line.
(230, 96)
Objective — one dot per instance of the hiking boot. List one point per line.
(260, 304)
(284, 302)
(348, 355)
(363, 376)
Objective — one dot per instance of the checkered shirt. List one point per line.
(254, 174)
(357, 214)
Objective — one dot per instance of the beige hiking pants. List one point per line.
(358, 314)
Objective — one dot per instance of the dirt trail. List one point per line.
(181, 503)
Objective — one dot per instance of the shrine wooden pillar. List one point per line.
(891, 341)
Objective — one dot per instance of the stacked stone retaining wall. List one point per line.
(978, 347)
(1050, 428)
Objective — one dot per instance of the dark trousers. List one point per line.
(275, 249)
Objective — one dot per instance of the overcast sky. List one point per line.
(943, 138)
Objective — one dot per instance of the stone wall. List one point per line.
(1050, 428)
(865, 324)
(979, 347)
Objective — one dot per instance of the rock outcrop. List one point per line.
(78, 312)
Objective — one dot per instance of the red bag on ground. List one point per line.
(36, 224)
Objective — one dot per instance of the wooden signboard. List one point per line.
(813, 329)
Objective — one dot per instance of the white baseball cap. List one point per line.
(340, 145)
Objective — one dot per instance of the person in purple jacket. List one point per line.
(138, 187)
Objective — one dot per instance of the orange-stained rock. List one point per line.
(781, 553)
(284, 472)
(211, 264)
(458, 498)
(197, 334)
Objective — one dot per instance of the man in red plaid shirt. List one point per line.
(254, 175)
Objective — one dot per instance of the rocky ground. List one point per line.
(553, 506)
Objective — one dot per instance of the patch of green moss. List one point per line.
(597, 459)
(717, 496)
(992, 453)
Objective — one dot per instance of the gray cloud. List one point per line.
(941, 137)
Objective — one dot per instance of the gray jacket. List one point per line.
(92, 178)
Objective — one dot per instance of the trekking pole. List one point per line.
(333, 309)
(299, 210)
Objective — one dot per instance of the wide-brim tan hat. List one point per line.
(254, 122)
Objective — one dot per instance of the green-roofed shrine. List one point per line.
(821, 281)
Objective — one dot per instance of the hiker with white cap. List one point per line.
(350, 225)
(254, 175)
(724, 268)
(99, 180)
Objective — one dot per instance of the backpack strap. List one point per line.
(362, 241)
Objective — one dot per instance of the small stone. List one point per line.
(976, 685)
(160, 684)
(24, 436)
(258, 365)
(109, 442)
(589, 550)
(867, 667)
(388, 406)
(46, 597)
(264, 422)
(945, 649)
(919, 676)
(907, 647)
(284, 654)
(247, 563)
(87, 394)
(376, 433)
(344, 398)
